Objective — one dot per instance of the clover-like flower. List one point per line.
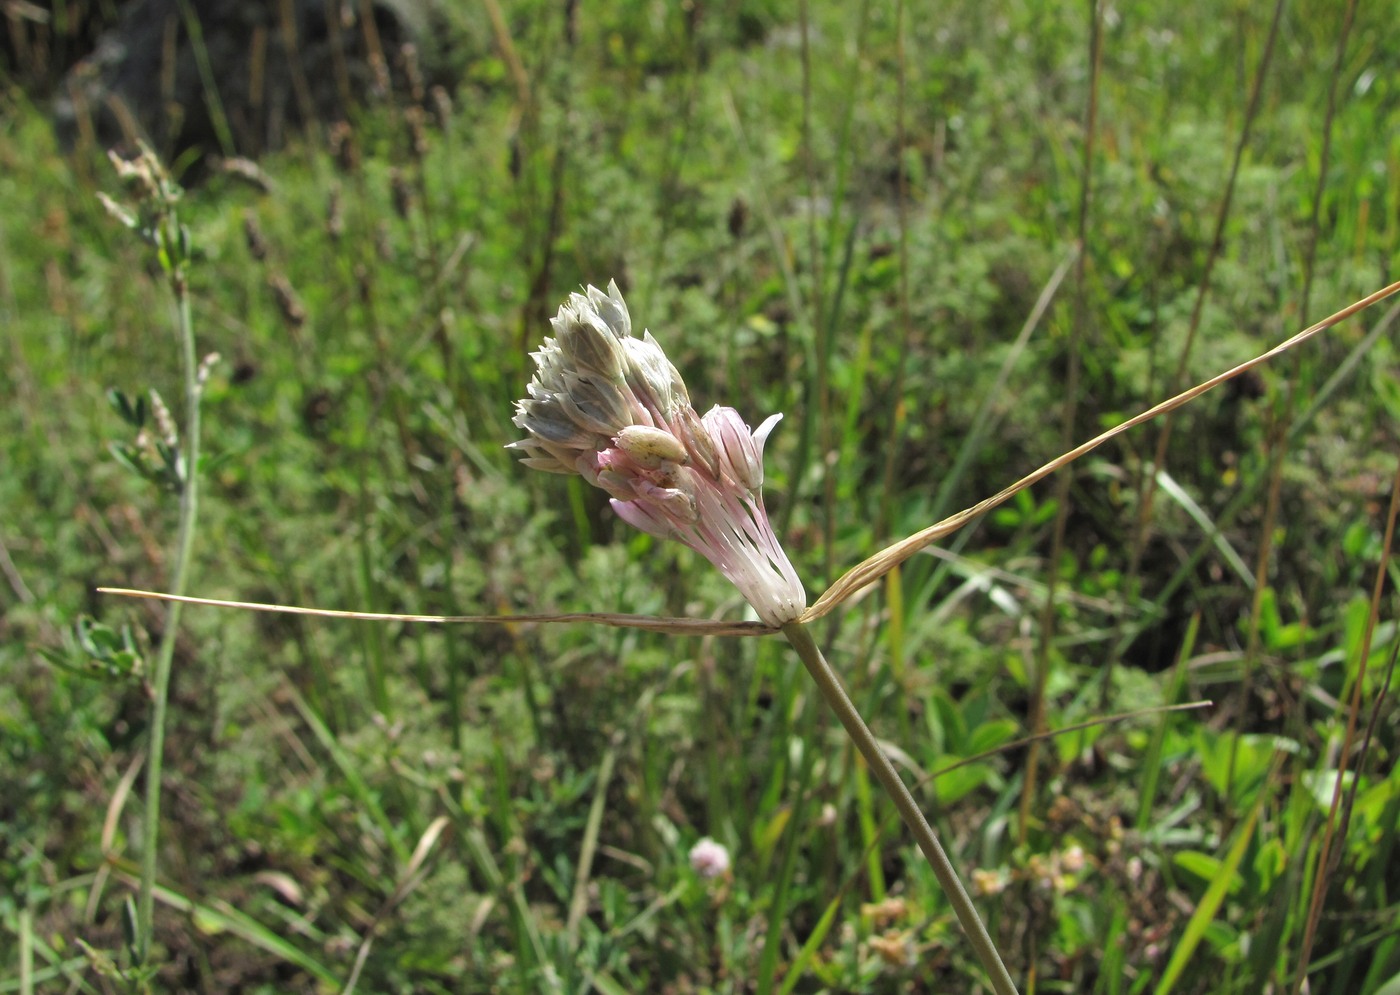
(709, 859)
(610, 406)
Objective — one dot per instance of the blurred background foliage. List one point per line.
(843, 212)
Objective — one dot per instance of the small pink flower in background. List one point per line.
(610, 407)
(709, 859)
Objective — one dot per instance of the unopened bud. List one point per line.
(651, 447)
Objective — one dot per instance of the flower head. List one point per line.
(610, 406)
(709, 859)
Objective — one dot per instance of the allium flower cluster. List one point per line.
(611, 407)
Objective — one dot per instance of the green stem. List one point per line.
(189, 503)
(888, 777)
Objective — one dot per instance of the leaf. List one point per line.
(809, 949)
(1205, 867)
(957, 782)
(1209, 906)
(1391, 987)
(1322, 785)
(133, 414)
(219, 916)
(1270, 863)
(990, 735)
(129, 457)
(766, 834)
(1249, 755)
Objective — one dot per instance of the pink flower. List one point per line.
(612, 408)
(709, 859)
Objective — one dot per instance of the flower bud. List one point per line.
(651, 447)
(547, 420)
(590, 344)
(612, 309)
(740, 452)
(595, 403)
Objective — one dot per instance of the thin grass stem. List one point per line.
(165, 655)
(588, 848)
(896, 409)
(1339, 815)
(1217, 243)
(26, 951)
(783, 891)
(1148, 480)
(1285, 406)
(873, 568)
(1069, 415)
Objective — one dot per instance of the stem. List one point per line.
(189, 503)
(835, 695)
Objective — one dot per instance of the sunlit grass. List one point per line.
(356, 462)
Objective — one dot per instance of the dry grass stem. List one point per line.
(849, 584)
(651, 623)
(869, 571)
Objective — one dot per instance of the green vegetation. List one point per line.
(849, 217)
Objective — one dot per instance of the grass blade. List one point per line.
(1214, 898)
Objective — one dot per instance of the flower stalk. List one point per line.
(184, 546)
(830, 686)
(157, 222)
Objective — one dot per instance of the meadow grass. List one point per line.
(948, 245)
